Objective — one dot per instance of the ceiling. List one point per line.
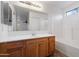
(60, 4)
(56, 5)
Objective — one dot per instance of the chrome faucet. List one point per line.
(33, 34)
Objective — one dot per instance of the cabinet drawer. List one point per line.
(52, 37)
(44, 40)
(11, 45)
(31, 42)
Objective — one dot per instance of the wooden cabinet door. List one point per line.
(43, 47)
(15, 49)
(31, 48)
(51, 45)
(16, 52)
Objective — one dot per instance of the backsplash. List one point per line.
(27, 33)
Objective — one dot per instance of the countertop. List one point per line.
(23, 37)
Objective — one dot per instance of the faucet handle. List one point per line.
(33, 34)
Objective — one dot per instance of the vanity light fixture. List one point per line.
(31, 4)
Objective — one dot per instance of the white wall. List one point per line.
(66, 29)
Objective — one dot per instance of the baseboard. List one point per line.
(67, 49)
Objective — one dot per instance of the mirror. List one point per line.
(22, 18)
(7, 14)
(38, 21)
(25, 20)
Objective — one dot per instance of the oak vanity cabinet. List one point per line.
(31, 48)
(13, 49)
(36, 47)
(51, 45)
(43, 47)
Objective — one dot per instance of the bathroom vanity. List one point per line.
(33, 47)
(19, 23)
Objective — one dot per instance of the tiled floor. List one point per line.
(58, 54)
